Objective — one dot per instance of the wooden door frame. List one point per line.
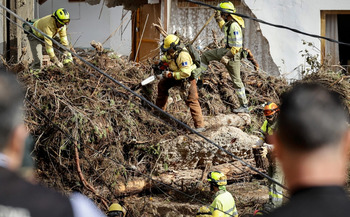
(323, 28)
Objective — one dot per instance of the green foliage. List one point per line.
(312, 60)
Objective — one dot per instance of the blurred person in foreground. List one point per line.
(19, 198)
(312, 143)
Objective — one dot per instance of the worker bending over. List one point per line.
(50, 25)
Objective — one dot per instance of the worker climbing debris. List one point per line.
(231, 25)
(180, 68)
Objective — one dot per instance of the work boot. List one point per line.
(242, 109)
(268, 207)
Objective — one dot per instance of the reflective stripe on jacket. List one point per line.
(48, 26)
(233, 35)
(183, 66)
(222, 204)
(266, 129)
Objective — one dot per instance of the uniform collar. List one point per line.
(219, 192)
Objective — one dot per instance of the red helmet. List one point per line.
(270, 109)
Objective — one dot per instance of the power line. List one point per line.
(151, 104)
(147, 101)
(270, 24)
(70, 137)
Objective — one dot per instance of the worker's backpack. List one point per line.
(196, 58)
(26, 27)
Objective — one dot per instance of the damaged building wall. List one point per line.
(303, 15)
(189, 20)
(12, 38)
(87, 24)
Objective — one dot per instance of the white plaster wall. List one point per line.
(86, 25)
(303, 15)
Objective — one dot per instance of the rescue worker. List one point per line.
(223, 204)
(271, 112)
(204, 211)
(230, 56)
(180, 65)
(50, 25)
(116, 210)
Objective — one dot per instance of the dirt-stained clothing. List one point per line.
(181, 66)
(234, 44)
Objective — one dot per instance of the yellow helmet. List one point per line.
(217, 178)
(171, 41)
(62, 16)
(116, 210)
(228, 7)
(203, 212)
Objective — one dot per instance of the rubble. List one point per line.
(118, 139)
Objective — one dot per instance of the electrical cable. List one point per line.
(148, 102)
(270, 24)
(70, 137)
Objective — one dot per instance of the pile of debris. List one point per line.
(98, 138)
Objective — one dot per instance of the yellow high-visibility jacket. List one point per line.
(182, 66)
(48, 26)
(233, 35)
(223, 202)
(266, 129)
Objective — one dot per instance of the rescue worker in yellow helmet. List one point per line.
(204, 211)
(271, 111)
(231, 25)
(50, 25)
(116, 210)
(180, 68)
(223, 204)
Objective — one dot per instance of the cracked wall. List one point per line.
(188, 21)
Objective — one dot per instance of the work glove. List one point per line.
(167, 74)
(160, 76)
(67, 57)
(57, 62)
(217, 16)
(228, 56)
(224, 60)
(266, 149)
